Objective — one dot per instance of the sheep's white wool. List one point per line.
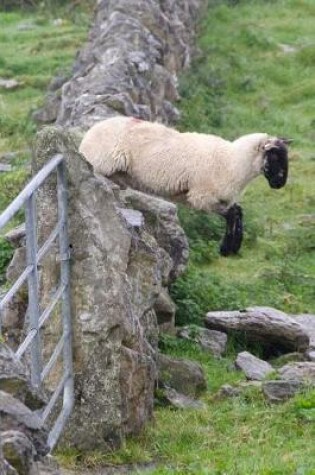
(209, 171)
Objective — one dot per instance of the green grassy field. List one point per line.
(255, 71)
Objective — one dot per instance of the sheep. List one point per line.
(204, 171)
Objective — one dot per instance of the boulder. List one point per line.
(185, 376)
(274, 330)
(211, 341)
(279, 391)
(253, 367)
(119, 268)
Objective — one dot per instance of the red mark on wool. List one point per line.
(135, 120)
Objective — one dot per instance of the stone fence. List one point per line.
(127, 247)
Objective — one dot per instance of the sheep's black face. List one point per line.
(276, 164)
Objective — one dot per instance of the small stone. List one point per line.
(26, 26)
(9, 83)
(133, 217)
(165, 308)
(287, 49)
(58, 22)
(302, 371)
(253, 367)
(310, 354)
(8, 156)
(4, 167)
(212, 341)
(186, 376)
(179, 401)
(16, 236)
(278, 391)
(227, 391)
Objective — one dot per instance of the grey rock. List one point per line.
(13, 376)
(14, 415)
(162, 221)
(49, 113)
(26, 25)
(9, 83)
(5, 167)
(185, 376)
(15, 380)
(212, 341)
(253, 367)
(16, 236)
(179, 401)
(310, 355)
(227, 391)
(18, 451)
(13, 318)
(165, 311)
(8, 156)
(301, 371)
(278, 391)
(17, 264)
(307, 322)
(14, 312)
(133, 217)
(275, 330)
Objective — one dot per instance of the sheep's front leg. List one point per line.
(234, 230)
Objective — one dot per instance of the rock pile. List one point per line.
(277, 334)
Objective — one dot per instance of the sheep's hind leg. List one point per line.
(234, 231)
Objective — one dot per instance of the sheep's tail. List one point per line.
(103, 147)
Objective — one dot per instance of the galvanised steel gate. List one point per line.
(37, 316)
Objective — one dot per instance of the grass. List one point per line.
(33, 49)
(242, 81)
(243, 435)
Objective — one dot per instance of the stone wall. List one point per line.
(130, 64)
(126, 246)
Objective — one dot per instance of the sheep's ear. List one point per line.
(286, 141)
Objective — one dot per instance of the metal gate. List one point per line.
(38, 316)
